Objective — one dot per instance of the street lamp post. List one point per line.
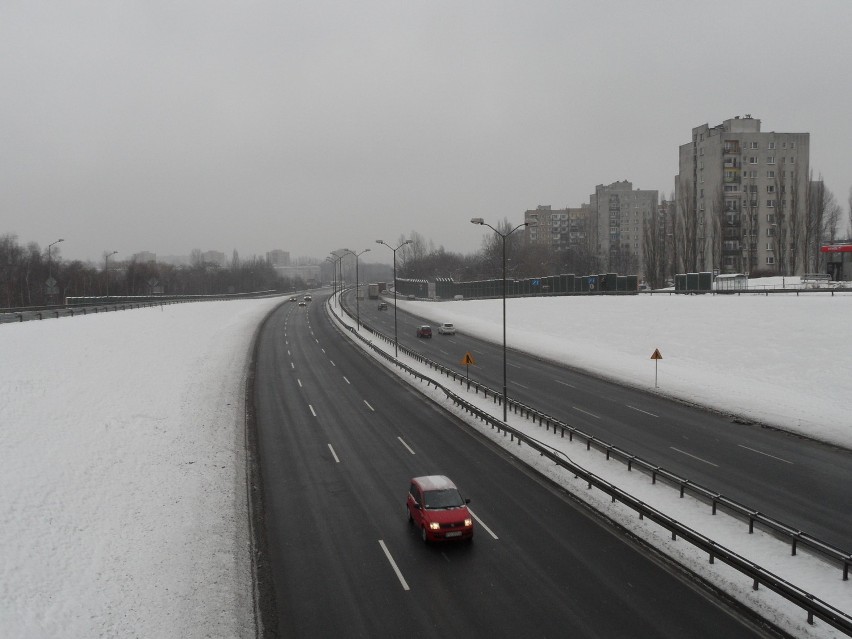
(338, 265)
(480, 221)
(357, 288)
(395, 339)
(49, 273)
(106, 269)
(333, 277)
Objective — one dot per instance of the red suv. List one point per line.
(424, 331)
(436, 507)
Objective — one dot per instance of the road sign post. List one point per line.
(466, 361)
(656, 356)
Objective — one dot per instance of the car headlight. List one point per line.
(468, 522)
(434, 525)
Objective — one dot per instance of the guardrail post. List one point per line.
(751, 523)
(754, 587)
(795, 541)
(846, 570)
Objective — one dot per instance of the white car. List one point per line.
(447, 329)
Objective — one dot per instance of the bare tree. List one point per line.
(689, 221)
(750, 224)
(794, 220)
(714, 235)
(849, 202)
(833, 212)
(654, 249)
(814, 222)
(776, 196)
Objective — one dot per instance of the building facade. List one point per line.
(741, 195)
(557, 229)
(618, 214)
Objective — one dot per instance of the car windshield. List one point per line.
(448, 498)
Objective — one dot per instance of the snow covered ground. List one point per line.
(122, 474)
(784, 360)
(122, 507)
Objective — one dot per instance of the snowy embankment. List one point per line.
(781, 360)
(122, 466)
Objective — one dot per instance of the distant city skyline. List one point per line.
(140, 127)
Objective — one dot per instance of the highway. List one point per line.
(801, 482)
(338, 439)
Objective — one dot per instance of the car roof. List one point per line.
(434, 482)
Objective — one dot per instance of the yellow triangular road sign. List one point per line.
(468, 360)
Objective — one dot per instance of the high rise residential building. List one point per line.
(618, 214)
(558, 229)
(277, 257)
(741, 196)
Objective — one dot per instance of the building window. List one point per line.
(770, 159)
(770, 175)
(792, 159)
(753, 145)
(770, 203)
(770, 259)
(770, 217)
(770, 232)
(792, 145)
(769, 247)
(770, 188)
(772, 146)
(752, 159)
(730, 188)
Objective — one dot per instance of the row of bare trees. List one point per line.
(421, 260)
(26, 272)
(794, 226)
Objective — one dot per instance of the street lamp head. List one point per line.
(380, 242)
(477, 220)
(408, 242)
(59, 240)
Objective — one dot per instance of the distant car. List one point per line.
(292, 299)
(302, 303)
(307, 298)
(383, 306)
(424, 331)
(447, 329)
(437, 508)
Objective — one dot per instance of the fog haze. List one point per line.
(307, 126)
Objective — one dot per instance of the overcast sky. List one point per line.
(311, 125)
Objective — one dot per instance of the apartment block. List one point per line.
(618, 214)
(559, 229)
(741, 194)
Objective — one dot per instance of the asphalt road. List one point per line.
(801, 482)
(339, 438)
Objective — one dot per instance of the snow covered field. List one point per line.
(778, 359)
(122, 508)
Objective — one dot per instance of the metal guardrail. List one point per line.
(87, 305)
(812, 605)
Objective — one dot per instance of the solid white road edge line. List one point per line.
(333, 454)
(481, 523)
(346, 380)
(394, 566)
(368, 406)
(300, 382)
(406, 445)
(313, 412)
(564, 383)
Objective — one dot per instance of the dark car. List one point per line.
(437, 508)
(424, 331)
(383, 306)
